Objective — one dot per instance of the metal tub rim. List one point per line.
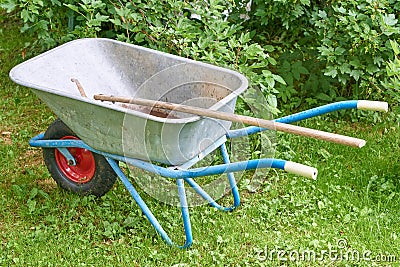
(15, 76)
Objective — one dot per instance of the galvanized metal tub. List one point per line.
(111, 67)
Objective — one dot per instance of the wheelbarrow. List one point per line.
(94, 132)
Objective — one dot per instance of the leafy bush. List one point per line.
(328, 50)
(197, 30)
(354, 42)
(297, 52)
(47, 20)
(275, 19)
(392, 82)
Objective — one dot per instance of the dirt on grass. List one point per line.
(6, 138)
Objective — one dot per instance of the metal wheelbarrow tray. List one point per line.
(83, 149)
(107, 66)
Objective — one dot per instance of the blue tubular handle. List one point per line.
(288, 166)
(221, 168)
(349, 104)
(177, 173)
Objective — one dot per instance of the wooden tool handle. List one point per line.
(272, 125)
(80, 88)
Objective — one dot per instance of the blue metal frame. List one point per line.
(188, 175)
(38, 141)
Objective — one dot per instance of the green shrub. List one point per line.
(277, 21)
(392, 82)
(45, 20)
(197, 30)
(354, 42)
(297, 52)
(327, 50)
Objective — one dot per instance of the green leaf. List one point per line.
(39, 2)
(267, 73)
(139, 37)
(272, 60)
(339, 51)
(390, 19)
(270, 81)
(244, 38)
(341, 10)
(371, 69)
(332, 72)
(56, 2)
(289, 78)
(269, 48)
(325, 51)
(33, 193)
(286, 67)
(296, 74)
(355, 62)
(279, 79)
(298, 69)
(324, 97)
(395, 47)
(9, 6)
(31, 205)
(271, 99)
(322, 14)
(344, 68)
(26, 16)
(254, 50)
(116, 22)
(356, 74)
(72, 7)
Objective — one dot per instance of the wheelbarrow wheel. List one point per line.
(92, 175)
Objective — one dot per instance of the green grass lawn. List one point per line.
(350, 212)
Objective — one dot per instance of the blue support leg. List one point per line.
(185, 213)
(149, 214)
(231, 178)
(232, 183)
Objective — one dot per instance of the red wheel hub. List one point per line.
(85, 167)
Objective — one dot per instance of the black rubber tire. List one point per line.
(103, 178)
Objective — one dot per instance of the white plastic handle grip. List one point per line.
(300, 169)
(372, 105)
